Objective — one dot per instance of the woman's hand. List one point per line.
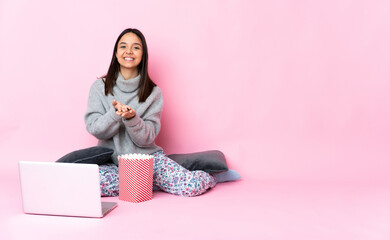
(123, 110)
(117, 105)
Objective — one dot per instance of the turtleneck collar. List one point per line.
(129, 85)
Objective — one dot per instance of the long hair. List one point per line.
(146, 84)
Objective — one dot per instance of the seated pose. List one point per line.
(124, 110)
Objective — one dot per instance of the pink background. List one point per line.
(295, 93)
(293, 90)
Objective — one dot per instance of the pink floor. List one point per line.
(247, 209)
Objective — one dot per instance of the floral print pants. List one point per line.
(168, 176)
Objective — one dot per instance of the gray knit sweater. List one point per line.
(135, 135)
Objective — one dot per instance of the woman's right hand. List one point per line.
(123, 110)
(117, 105)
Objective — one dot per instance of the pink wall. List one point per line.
(286, 89)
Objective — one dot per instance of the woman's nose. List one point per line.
(129, 51)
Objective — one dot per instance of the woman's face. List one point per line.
(129, 51)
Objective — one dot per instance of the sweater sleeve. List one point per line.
(101, 122)
(144, 129)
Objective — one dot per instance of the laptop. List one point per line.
(63, 189)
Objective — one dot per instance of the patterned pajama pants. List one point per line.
(168, 176)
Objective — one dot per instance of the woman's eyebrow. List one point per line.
(133, 43)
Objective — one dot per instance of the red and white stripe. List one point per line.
(135, 177)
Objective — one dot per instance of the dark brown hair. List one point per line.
(146, 84)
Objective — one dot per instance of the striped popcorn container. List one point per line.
(135, 177)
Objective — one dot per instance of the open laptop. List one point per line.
(64, 189)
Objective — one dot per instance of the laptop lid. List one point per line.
(65, 189)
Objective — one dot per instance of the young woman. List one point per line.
(124, 110)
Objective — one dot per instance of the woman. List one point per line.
(124, 110)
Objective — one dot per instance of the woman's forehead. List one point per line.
(130, 38)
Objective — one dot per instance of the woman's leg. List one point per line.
(175, 179)
(109, 180)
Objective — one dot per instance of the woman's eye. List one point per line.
(122, 47)
(137, 48)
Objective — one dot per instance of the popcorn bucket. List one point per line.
(135, 177)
